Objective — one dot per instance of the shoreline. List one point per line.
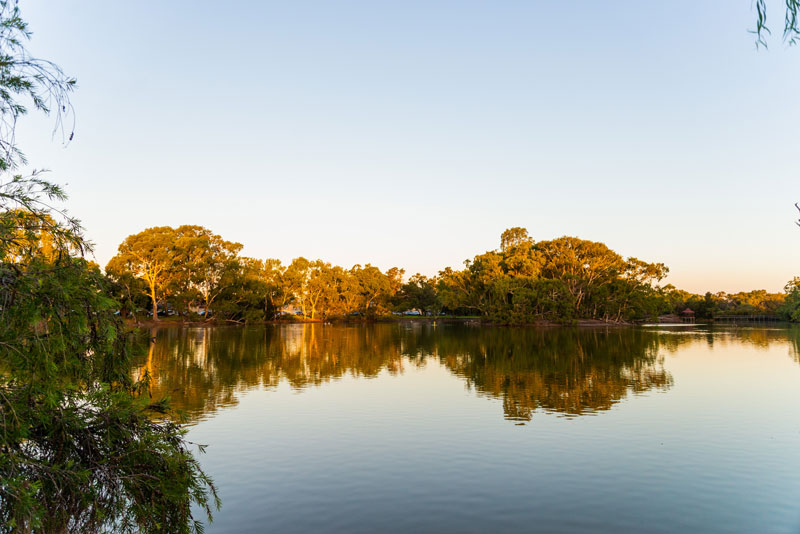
(580, 323)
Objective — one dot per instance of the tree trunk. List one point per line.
(155, 303)
(208, 304)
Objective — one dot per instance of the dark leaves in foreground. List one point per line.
(84, 447)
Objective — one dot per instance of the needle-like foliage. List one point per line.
(791, 22)
(83, 446)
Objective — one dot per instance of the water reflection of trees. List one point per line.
(203, 369)
(793, 334)
(572, 372)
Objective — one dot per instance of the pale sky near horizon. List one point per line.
(413, 133)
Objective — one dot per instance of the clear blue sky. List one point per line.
(412, 133)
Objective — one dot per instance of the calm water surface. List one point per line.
(456, 428)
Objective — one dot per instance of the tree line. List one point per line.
(562, 279)
(191, 271)
(710, 305)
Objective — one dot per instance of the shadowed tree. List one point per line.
(419, 293)
(373, 286)
(207, 260)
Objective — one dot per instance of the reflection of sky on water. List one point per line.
(390, 429)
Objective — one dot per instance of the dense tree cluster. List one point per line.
(188, 263)
(790, 309)
(190, 269)
(710, 305)
(563, 279)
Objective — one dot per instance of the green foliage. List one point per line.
(790, 310)
(757, 302)
(26, 78)
(178, 266)
(191, 266)
(419, 293)
(321, 289)
(83, 447)
(254, 291)
(559, 280)
(204, 263)
(151, 257)
(791, 24)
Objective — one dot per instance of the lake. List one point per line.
(464, 428)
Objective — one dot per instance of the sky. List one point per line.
(412, 134)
